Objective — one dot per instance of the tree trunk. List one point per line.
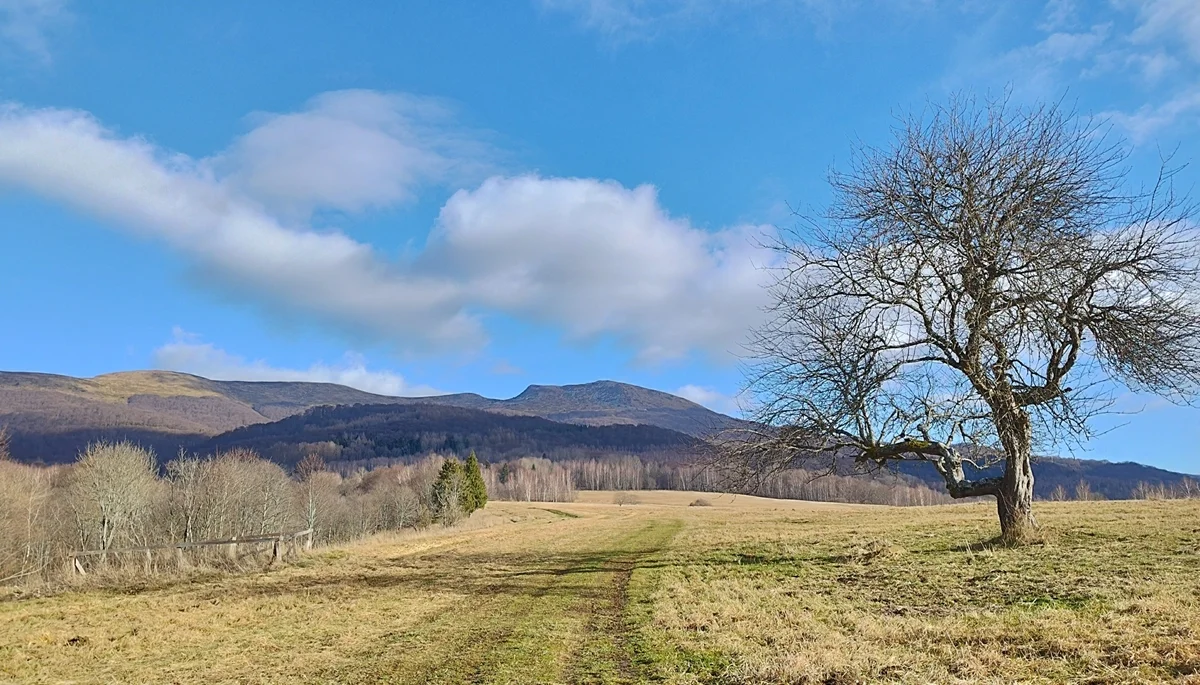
(1014, 499)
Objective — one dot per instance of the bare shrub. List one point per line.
(112, 491)
(1083, 492)
(113, 498)
(624, 497)
(26, 525)
(1184, 489)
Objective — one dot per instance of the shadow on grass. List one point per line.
(514, 573)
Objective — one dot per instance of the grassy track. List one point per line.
(536, 598)
(746, 591)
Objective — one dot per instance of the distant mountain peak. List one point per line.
(603, 394)
(53, 416)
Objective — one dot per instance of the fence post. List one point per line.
(277, 551)
(180, 562)
(148, 566)
(308, 540)
(231, 550)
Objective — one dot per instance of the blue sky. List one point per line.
(423, 196)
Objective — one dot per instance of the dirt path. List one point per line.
(542, 599)
(526, 617)
(605, 653)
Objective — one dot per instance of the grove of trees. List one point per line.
(459, 490)
(117, 496)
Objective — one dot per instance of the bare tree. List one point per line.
(314, 488)
(24, 507)
(185, 480)
(113, 486)
(979, 287)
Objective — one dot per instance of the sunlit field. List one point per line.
(731, 590)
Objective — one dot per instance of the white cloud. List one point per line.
(1167, 20)
(1152, 46)
(1145, 122)
(350, 150)
(1058, 14)
(592, 257)
(25, 24)
(1037, 70)
(188, 354)
(69, 156)
(708, 397)
(599, 258)
(1164, 41)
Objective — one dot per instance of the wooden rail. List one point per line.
(278, 550)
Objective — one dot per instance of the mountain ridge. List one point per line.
(53, 416)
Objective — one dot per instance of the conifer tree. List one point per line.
(475, 489)
(449, 490)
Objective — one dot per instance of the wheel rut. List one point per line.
(606, 655)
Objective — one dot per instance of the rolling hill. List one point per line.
(53, 417)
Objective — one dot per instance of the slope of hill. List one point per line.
(369, 433)
(602, 403)
(1106, 480)
(53, 417)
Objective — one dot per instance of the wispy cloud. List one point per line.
(25, 26)
(1148, 120)
(188, 353)
(504, 368)
(632, 20)
(589, 257)
(1150, 47)
(350, 151)
(713, 399)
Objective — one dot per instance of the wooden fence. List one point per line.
(283, 545)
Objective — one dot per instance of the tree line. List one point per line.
(386, 433)
(117, 495)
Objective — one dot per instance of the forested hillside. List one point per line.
(378, 434)
(53, 417)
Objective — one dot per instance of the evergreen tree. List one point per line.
(448, 494)
(506, 472)
(475, 489)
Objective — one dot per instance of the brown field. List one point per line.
(683, 498)
(744, 591)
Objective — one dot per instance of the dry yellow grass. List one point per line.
(683, 498)
(119, 387)
(744, 591)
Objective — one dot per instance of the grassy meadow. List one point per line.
(744, 590)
